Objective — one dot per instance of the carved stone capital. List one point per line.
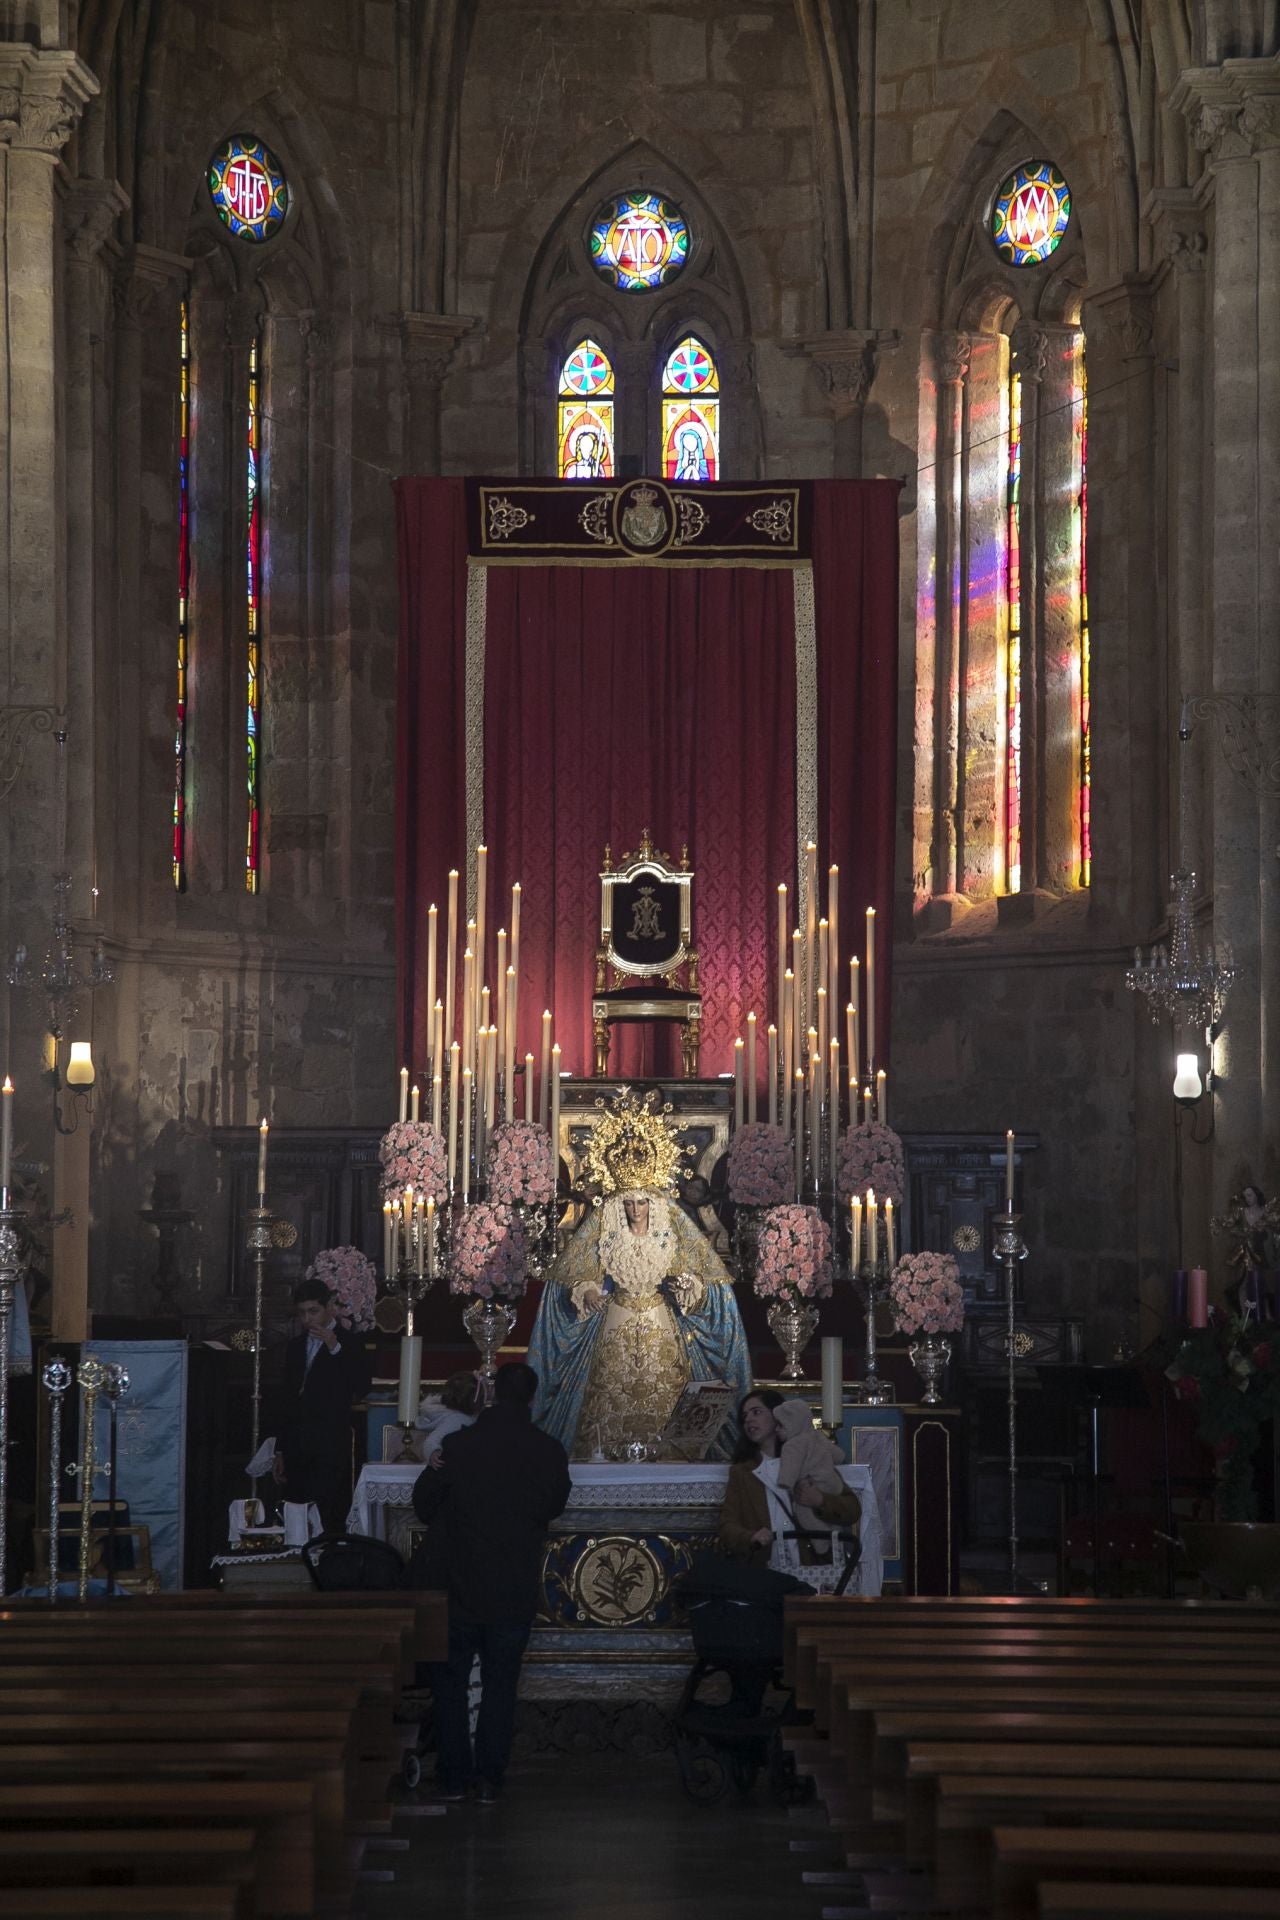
(1029, 348)
(1233, 110)
(429, 342)
(847, 362)
(951, 354)
(1124, 313)
(148, 283)
(737, 360)
(90, 210)
(242, 320)
(43, 92)
(1177, 218)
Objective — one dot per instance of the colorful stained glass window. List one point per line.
(586, 415)
(639, 241)
(248, 188)
(184, 585)
(690, 414)
(1080, 419)
(1031, 213)
(253, 560)
(1013, 645)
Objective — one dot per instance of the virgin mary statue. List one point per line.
(636, 1306)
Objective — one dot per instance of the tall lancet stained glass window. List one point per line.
(586, 414)
(253, 583)
(1013, 644)
(1080, 422)
(184, 589)
(690, 414)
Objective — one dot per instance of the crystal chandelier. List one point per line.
(1181, 983)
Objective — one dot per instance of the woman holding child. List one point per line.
(783, 1480)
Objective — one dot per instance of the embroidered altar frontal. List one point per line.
(639, 522)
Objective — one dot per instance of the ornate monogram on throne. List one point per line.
(637, 1305)
(646, 964)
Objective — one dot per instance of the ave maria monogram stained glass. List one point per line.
(1030, 214)
(639, 241)
(248, 188)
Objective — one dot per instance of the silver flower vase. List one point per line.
(488, 1322)
(793, 1327)
(930, 1356)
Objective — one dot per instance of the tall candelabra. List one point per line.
(90, 1377)
(259, 1246)
(1010, 1248)
(12, 1262)
(57, 1378)
(873, 1277)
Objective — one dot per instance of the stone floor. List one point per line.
(585, 1836)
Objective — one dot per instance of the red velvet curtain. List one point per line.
(622, 697)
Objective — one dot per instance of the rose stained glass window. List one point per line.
(1031, 213)
(248, 188)
(639, 241)
(690, 414)
(586, 414)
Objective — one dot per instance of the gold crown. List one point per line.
(633, 1148)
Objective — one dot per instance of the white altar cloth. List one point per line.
(660, 1485)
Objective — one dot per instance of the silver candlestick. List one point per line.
(874, 1276)
(57, 1379)
(1010, 1248)
(90, 1376)
(259, 1246)
(11, 1265)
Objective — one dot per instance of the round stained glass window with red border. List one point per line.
(248, 188)
(1030, 214)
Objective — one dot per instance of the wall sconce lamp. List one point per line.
(79, 1078)
(1190, 1086)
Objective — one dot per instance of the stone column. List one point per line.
(637, 417)
(1234, 112)
(951, 364)
(740, 450)
(428, 344)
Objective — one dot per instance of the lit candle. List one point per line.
(737, 1083)
(797, 993)
(810, 923)
(833, 917)
(513, 989)
(555, 1108)
(6, 1140)
(482, 890)
(544, 1096)
(871, 986)
(437, 1039)
(833, 1107)
(485, 998)
(410, 1378)
(873, 1235)
(386, 1239)
(491, 1081)
(451, 955)
(1198, 1297)
(753, 1069)
(882, 1097)
(407, 1211)
(467, 1082)
(855, 1233)
(431, 1236)
(394, 1211)
(815, 1113)
(866, 1106)
(437, 1100)
(1008, 1171)
(420, 1238)
(824, 968)
(528, 1086)
(413, 1105)
(853, 1002)
(468, 999)
(799, 1133)
(501, 1021)
(822, 1034)
(782, 949)
(454, 1057)
(509, 1049)
(851, 1047)
(890, 1235)
(433, 925)
(404, 1095)
(832, 1380)
(772, 1045)
(788, 1034)
(262, 1164)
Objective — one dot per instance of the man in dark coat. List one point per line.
(499, 1486)
(326, 1370)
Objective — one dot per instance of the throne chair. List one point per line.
(646, 967)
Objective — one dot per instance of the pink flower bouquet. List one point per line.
(871, 1156)
(520, 1165)
(761, 1170)
(412, 1155)
(488, 1253)
(353, 1282)
(793, 1258)
(925, 1294)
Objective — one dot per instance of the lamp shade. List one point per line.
(1186, 1081)
(80, 1065)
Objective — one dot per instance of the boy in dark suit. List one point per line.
(326, 1370)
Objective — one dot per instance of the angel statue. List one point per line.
(637, 1305)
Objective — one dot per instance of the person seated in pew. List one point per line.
(327, 1368)
(756, 1515)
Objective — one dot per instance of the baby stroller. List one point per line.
(735, 1618)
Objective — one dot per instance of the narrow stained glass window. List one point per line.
(586, 414)
(690, 414)
(1013, 647)
(1030, 214)
(1080, 419)
(184, 585)
(253, 559)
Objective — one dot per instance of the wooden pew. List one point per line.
(123, 1903)
(200, 1856)
(1026, 1856)
(1107, 1900)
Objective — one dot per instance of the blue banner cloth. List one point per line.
(151, 1448)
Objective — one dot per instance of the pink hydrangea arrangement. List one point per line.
(871, 1156)
(352, 1280)
(925, 1294)
(761, 1171)
(520, 1166)
(488, 1253)
(412, 1155)
(793, 1255)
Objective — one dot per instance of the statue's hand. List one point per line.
(687, 1291)
(592, 1300)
